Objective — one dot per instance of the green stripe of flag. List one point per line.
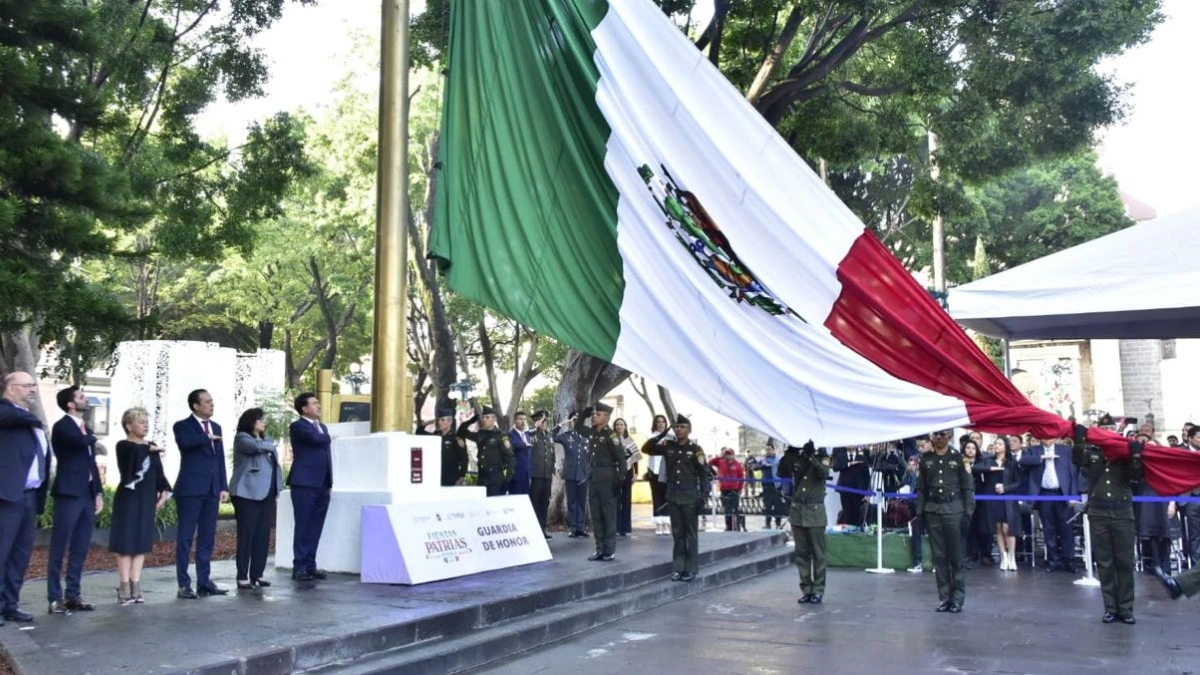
(522, 158)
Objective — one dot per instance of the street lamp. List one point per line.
(357, 378)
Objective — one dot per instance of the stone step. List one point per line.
(452, 654)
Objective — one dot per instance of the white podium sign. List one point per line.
(417, 542)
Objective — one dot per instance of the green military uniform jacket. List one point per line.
(1109, 482)
(808, 472)
(542, 454)
(685, 467)
(944, 485)
(494, 455)
(606, 456)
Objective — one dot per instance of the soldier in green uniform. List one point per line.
(1109, 492)
(492, 450)
(455, 460)
(808, 469)
(945, 491)
(542, 461)
(685, 468)
(607, 461)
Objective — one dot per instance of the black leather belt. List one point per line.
(948, 499)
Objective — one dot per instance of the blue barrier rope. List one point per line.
(1154, 499)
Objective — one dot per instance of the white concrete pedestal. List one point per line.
(368, 470)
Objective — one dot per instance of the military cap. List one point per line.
(540, 415)
(587, 412)
(682, 420)
(603, 408)
(445, 412)
(489, 410)
(1106, 420)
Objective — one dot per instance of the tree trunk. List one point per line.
(586, 379)
(266, 333)
(444, 373)
(664, 395)
(22, 353)
(640, 388)
(771, 63)
(489, 365)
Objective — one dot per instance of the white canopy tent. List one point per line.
(1141, 282)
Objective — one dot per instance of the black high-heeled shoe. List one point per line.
(262, 583)
(248, 586)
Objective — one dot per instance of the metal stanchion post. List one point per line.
(1088, 579)
(879, 502)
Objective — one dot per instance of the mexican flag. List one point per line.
(601, 182)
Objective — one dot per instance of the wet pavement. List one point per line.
(1024, 622)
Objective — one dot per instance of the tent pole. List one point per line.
(1007, 360)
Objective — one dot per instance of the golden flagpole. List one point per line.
(390, 407)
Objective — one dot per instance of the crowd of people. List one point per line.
(68, 453)
(599, 467)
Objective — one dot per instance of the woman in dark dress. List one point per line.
(977, 543)
(142, 491)
(999, 475)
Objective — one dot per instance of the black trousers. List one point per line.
(625, 505)
(309, 506)
(730, 503)
(254, 518)
(74, 520)
(539, 494)
(18, 521)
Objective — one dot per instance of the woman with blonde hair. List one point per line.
(142, 491)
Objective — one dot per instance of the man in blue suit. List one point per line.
(199, 491)
(1051, 473)
(24, 473)
(310, 480)
(78, 498)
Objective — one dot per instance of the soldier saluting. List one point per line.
(945, 491)
(1110, 519)
(607, 461)
(493, 453)
(455, 460)
(685, 467)
(808, 469)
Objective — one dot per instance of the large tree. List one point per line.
(863, 83)
(117, 84)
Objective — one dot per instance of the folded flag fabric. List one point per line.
(601, 182)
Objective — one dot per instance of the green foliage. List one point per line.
(541, 399)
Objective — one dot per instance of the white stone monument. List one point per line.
(158, 374)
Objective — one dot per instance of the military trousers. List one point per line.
(1113, 536)
(945, 538)
(810, 558)
(602, 499)
(685, 525)
(1189, 581)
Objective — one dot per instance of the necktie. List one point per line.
(208, 431)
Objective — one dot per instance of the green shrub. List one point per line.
(166, 517)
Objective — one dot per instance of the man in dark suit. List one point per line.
(199, 491)
(24, 472)
(78, 498)
(1051, 474)
(310, 480)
